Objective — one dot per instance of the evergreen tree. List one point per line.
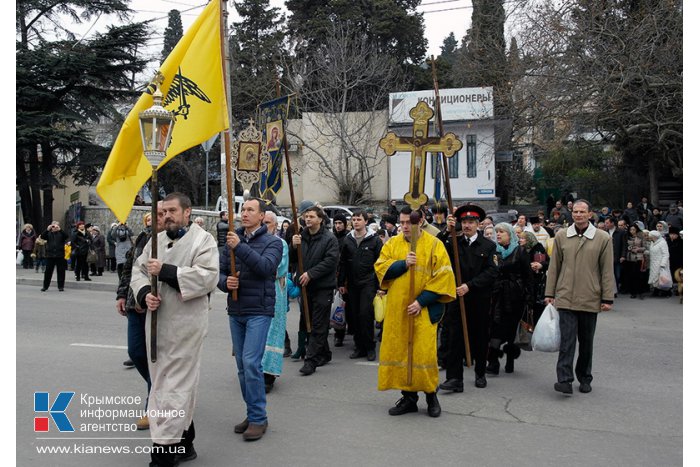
(173, 33)
(64, 88)
(481, 60)
(257, 50)
(448, 49)
(393, 26)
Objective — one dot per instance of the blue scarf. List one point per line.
(506, 252)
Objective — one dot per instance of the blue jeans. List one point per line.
(136, 345)
(249, 334)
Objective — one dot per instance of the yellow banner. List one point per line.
(194, 88)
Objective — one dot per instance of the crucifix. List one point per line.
(419, 145)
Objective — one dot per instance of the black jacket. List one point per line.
(221, 231)
(478, 268)
(80, 242)
(357, 261)
(319, 253)
(55, 241)
(512, 290)
(619, 241)
(675, 253)
(124, 287)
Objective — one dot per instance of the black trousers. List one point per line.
(360, 302)
(60, 265)
(478, 324)
(81, 266)
(635, 278)
(573, 325)
(320, 302)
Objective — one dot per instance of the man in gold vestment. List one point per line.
(434, 286)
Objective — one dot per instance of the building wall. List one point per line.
(480, 189)
(317, 150)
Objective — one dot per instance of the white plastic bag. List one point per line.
(665, 280)
(547, 337)
(338, 312)
(20, 257)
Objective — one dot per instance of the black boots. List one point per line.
(512, 352)
(494, 365)
(301, 349)
(408, 403)
(287, 346)
(434, 409)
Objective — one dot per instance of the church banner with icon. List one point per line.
(272, 119)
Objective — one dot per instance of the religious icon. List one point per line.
(248, 156)
(274, 135)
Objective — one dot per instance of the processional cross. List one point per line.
(419, 145)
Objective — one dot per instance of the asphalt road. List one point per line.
(75, 341)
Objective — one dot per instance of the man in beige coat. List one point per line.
(580, 283)
(188, 271)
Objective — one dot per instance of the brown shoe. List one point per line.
(241, 427)
(254, 432)
(142, 423)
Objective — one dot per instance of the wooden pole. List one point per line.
(300, 260)
(154, 255)
(226, 136)
(453, 233)
(415, 220)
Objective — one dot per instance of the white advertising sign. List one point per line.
(455, 104)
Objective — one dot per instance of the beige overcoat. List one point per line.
(580, 274)
(182, 325)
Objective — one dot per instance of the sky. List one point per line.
(441, 18)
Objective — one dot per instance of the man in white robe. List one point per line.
(188, 270)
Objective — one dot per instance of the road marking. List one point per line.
(367, 363)
(100, 346)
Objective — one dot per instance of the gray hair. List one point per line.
(271, 214)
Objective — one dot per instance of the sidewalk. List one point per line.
(107, 282)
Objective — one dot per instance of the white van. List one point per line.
(222, 205)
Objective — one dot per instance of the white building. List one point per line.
(466, 112)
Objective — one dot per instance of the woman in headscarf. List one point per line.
(635, 262)
(662, 228)
(658, 263)
(510, 296)
(539, 262)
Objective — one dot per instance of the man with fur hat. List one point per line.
(479, 268)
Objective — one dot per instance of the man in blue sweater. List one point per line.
(257, 255)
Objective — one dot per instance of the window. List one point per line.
(471, 156)
(452, 165)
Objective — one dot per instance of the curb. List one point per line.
(99, 286)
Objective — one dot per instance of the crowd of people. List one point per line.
(495, 275)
